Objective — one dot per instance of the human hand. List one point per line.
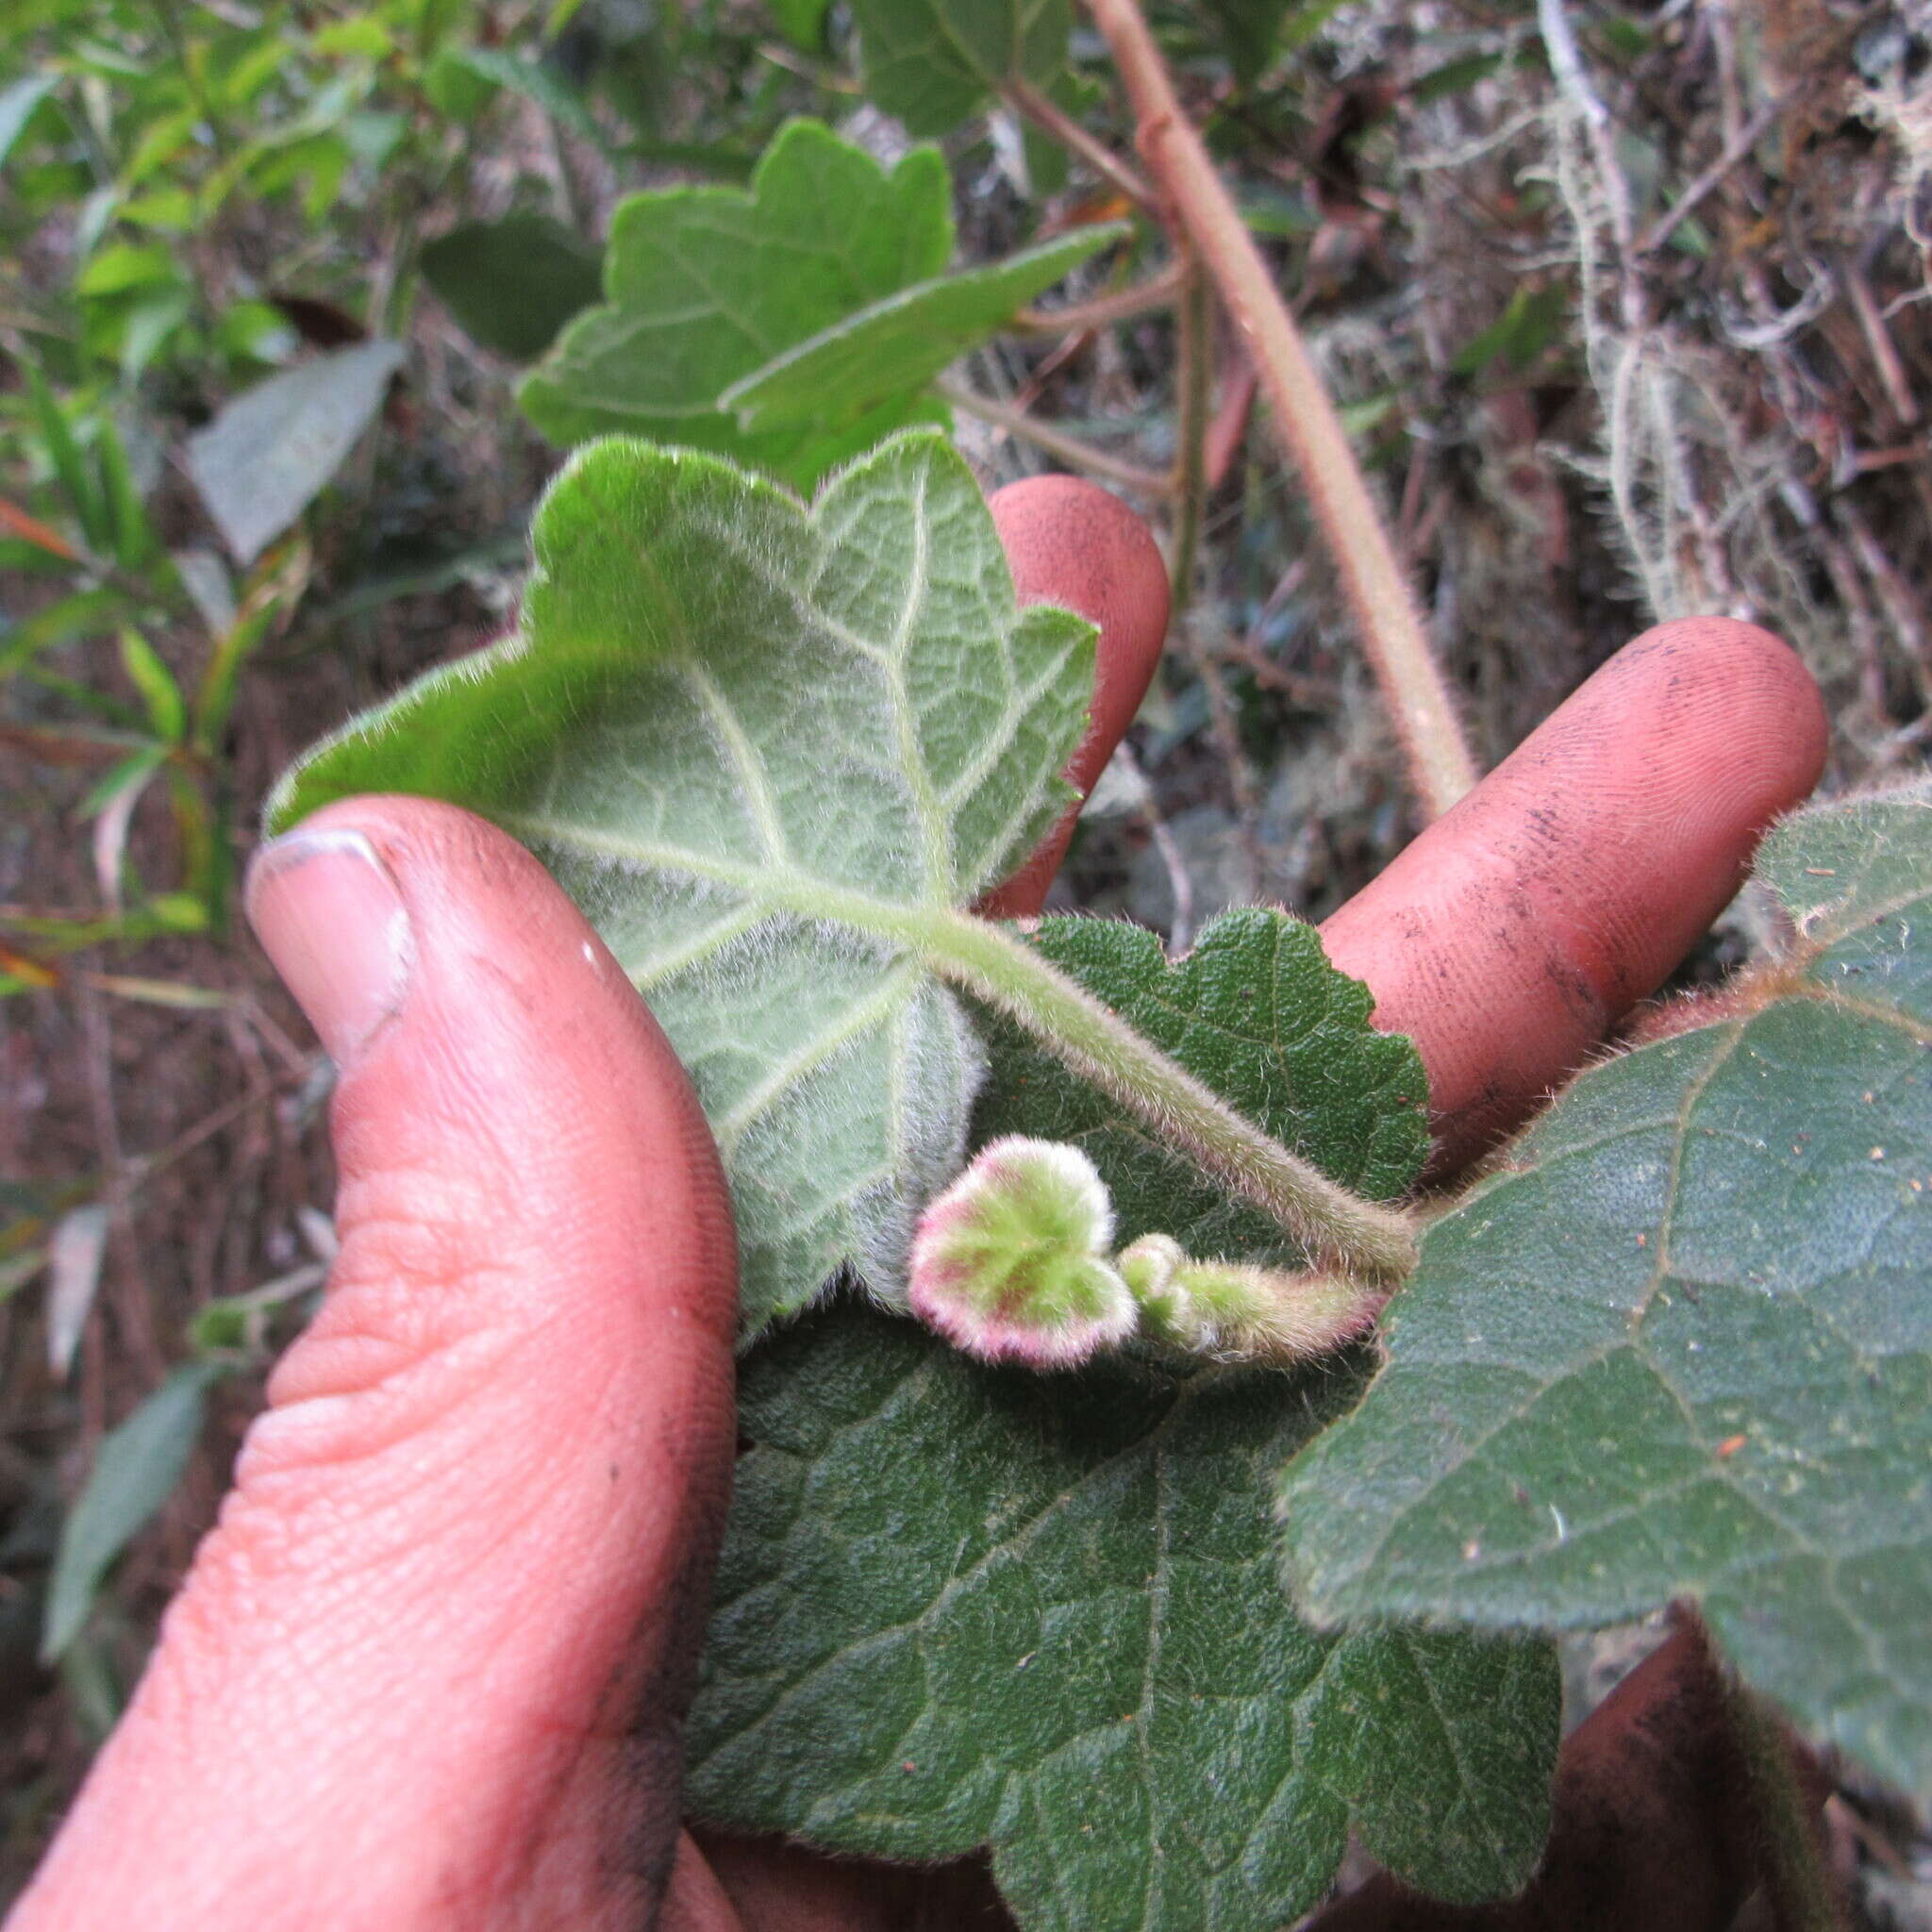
(429, 1669)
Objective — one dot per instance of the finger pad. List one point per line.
(1570, 884)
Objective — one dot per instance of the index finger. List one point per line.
(1524, 924)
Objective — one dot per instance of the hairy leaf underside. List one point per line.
(756, 745)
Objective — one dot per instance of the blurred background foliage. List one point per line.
(277, 273)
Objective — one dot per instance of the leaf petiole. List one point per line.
(1337, 1227)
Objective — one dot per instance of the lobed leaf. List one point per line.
(1258, 1012)
(1682, 1344)
(758, 745)
(962, 1606)
(934, 63)
(816, 299)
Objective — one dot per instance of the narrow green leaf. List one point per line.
(1681, 1345)
(933, 62)
(83, 614)
(133, 537)
(761, 745)
(514, 282)
(166, 711)
(123, 780)
(135, 1472)
(89, 506)
(18, 101)
(533, 81)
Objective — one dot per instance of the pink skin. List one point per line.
(425, 1673)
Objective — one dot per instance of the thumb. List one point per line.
(428, 1668)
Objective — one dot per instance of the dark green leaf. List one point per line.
(1682, 1344)
(1248, 29)
(514, 282)
(961, 1607)
(89, 506)
(933, 62)
(135, 1472)
(1519, 335)
(1258, 1012)
(494, 67)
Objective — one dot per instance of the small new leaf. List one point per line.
(1013, 1261)
(765, 748)
(790, 325)
(1682, 1343)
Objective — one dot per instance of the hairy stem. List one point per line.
(1056, 442)
(1362, 1237)
(1391, 632)
(1053, 120)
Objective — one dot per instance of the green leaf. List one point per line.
(160, 694)
(898, 345)
(268, 454)
(1250, 30)
(18, 100)
(697, 306)
(496, 67)
(124, 266)
(933, 62)
(1258, 1012)
(802, 23)
(455, 89)
(89, 506)
(1682, 1344)
(763, 747)
(960, 1606)
(514, 282)
(134, 540)
(1520, 334)
(135, 1472)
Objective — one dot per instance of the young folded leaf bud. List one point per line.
(1011, 1262)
